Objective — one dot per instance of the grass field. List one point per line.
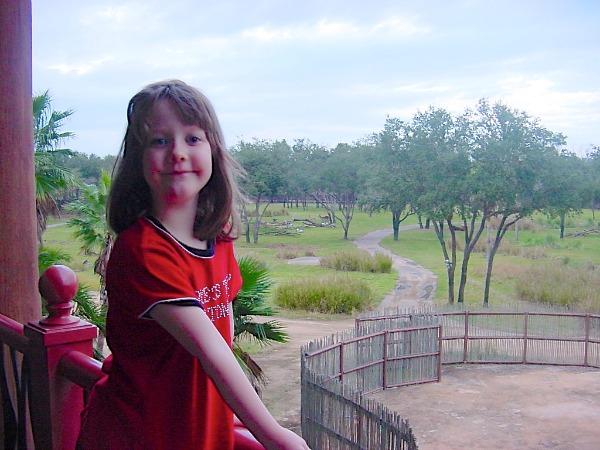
(540, 240)
(270, 250)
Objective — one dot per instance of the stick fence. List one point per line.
(407, 347)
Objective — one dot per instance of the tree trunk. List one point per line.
(420, 221)
(247, 231)
(256, 221)
(471, 238)
(427, 224)
(439, 232)
(490, 263)
(488, 276)
(500, 232)
(396, 224)
(562, 224)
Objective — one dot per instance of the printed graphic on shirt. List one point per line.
(215, 298)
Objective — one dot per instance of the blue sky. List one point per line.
(327, 71)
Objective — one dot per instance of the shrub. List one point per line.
(560, 284)
(382, 263)
(333, 294)
(293, 251)
(358, 261)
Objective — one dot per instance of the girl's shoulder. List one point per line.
(140, 238)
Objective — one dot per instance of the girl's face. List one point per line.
(177, 163)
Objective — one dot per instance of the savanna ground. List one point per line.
(478, 407)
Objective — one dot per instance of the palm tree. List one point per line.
(90, 224)
(50, 177)
(91, 228)
(250, 302)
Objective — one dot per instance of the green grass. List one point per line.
(540, 240)
(422, 246)
(321, 242)
(61, 237)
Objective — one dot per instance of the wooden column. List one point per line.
(18, 241)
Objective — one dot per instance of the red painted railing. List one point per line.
(50, 364)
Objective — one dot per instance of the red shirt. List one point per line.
(157, 395)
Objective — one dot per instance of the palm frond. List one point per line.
(253, 371)
(88, 309)
(250, 302)
(48, 256)
(264, 333)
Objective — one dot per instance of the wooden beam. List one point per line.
(19, 299)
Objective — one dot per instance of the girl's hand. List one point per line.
(286, 440)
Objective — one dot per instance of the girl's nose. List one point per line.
(179, 152)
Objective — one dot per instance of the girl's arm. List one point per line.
(192, 328)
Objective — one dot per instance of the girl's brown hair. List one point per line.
(130, 198)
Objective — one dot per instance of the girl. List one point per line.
(172, 378)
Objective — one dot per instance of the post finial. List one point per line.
(58, 286)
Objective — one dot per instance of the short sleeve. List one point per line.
(143, 274)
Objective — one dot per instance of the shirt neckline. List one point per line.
(203, 253)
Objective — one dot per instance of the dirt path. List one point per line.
(415, 286)
(281, 363)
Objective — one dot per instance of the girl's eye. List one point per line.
(194, 139)
(159, 142)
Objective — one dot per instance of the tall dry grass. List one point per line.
(331, 294)
(560, 284)
(358, 261)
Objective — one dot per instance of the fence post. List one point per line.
(525, 334)
(466, 336)
(56, 403)
(440, 341)
(587, 340)
(384, 371)
(341, 362)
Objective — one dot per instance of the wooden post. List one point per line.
(18, 232)
(341, 361)
(440, 341)
(587, 340)
(384, 370)
(465, 349)
(56, 402)
(525, 326)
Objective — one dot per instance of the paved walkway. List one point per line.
(415, 286)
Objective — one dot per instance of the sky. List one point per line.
(326, 71)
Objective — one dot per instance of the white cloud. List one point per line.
(544, 98)
(129, 16)
(389, 88)
(79, 68)
(396, 27)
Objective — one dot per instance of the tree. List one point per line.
(337, 183)
(592, 162)
(50, 177)
(390, 173)
(564, 190)
(441, 165)
(265, 165)
(90, 225)
(306, 158)
(509, 155)
(250, 302)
